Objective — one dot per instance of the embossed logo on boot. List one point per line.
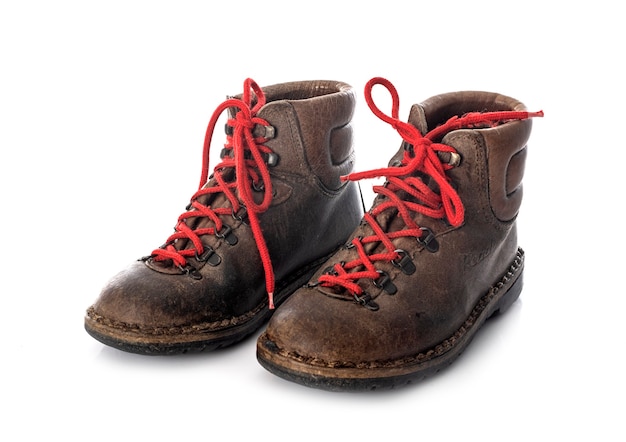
(475, 258)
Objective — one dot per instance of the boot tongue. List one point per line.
(417, 118)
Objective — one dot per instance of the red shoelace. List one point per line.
(246, 153)
(422, 159)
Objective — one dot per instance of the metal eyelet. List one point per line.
(384, 282)
(428, 240)
(330, 270)
(270, 132)
(261, 187)
(227, 235)
(264, 131)
(209, 256)
(366, 301)
(191, 271)
(241, 214)
(271, 159)
(455, 159)
(258, 187)
(351, 245)
(404, 262)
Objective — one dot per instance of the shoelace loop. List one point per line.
(247, 157)
(420, 159)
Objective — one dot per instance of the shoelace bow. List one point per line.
(247, 159)
(421, 159)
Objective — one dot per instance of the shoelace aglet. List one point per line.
(270, 297)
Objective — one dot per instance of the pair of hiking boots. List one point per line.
(277, 231)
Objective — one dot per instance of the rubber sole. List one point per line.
(193, 338)
(395, 374)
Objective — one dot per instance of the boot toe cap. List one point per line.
(139, 296)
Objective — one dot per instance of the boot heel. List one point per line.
(510, 296)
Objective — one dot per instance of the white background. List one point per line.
(103, 108)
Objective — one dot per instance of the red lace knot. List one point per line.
(245, 153)
(244, 120)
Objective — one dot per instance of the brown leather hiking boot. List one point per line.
(435, 256)
(257, 229)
